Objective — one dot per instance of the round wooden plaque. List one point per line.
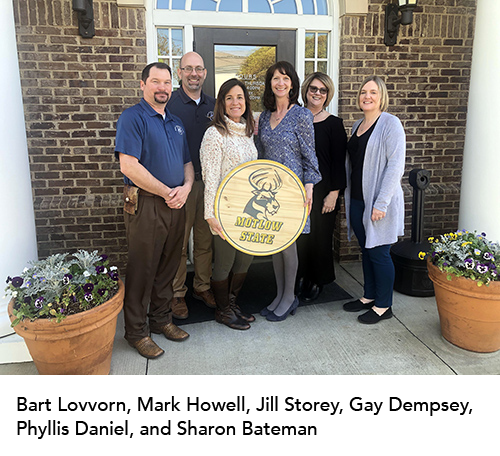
(260, 205)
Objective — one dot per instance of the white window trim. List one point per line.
(299, 22)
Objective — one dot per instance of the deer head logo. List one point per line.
(266, 183)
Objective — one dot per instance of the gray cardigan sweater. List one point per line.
(383, 169)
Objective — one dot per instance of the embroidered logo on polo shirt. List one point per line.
(210, 115)
(179, 129)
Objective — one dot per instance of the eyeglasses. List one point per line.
(189, 69)
(314, 89)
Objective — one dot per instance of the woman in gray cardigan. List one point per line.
(374, 198)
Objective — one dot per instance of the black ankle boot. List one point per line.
(303, 288)
(313, 293)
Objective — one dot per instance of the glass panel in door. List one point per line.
(247, 63)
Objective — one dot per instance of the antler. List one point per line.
(265, 179)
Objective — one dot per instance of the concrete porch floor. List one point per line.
(319, 340)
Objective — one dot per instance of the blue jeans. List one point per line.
(378, 268)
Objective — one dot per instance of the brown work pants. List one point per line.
(154, 237)
(202, 245)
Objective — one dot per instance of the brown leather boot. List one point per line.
(235, 284)
(171, 332)
(224, 313)
(179, 308)
(147, 348)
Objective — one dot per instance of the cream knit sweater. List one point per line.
(220, 154)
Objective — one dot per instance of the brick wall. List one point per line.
(427, 73)
(74, 89)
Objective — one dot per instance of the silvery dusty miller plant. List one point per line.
(465, 254)
(62, 285)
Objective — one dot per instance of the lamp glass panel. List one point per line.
(407, 3)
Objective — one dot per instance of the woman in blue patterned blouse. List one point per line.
(286, 135)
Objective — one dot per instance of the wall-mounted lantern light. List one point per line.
(392, 20)
(85, 9)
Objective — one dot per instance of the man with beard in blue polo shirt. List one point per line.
(154, 157)
(196, 109)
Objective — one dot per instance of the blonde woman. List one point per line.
(315, 250)
(374, 197)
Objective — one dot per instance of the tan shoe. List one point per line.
(147, 348)
(171, 332)
(206, 296)
(179, 308)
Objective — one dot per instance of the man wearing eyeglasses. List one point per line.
(195, 108)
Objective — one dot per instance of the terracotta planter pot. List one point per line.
(469, 315)
(81, 344)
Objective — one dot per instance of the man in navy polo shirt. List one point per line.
(154, 157)
(196, 109)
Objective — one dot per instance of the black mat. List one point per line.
(258, 291)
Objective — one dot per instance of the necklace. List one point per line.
(278, 118)
(318, 113)
(366, 125)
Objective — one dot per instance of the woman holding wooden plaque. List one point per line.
(316, 267)
(227, 143)
(286, 135)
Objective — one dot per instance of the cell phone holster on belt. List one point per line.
(130, 199)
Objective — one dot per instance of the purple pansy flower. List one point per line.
(67, 278)
(101, 291)
(104, 257)
(17, 282)
(88, 287)
(88, 297)
(99, 269)
(39, 302)
(114, 276)
(469, 263)
(482, 268)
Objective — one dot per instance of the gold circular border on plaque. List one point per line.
(274, 224)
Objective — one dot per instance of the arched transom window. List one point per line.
(314, 7)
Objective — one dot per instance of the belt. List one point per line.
(145, 193)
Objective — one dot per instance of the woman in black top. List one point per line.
(316, 249)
